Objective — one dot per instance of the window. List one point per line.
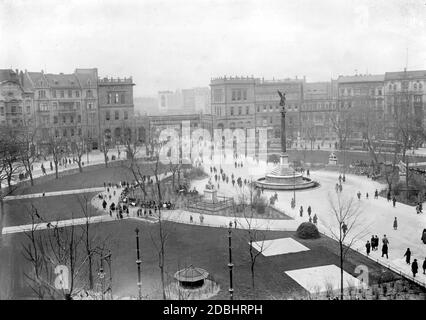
(79, 131)
(116, 115)
(258, 108)
(69, 93)
(77, 94)
(72, 119)
(271, 108)
(247, 110)
(41, 94)
(109, 98)
(239, 110)
(217, 95)
(89, 105)
(415, 86)
(2, 111)
(238, 94)
(233, 95)
(28, 109)
(72, 132)
(55, 105)
(62, 93)
(89, 94)
(107, 115)
(54, 93)
(64, 120)
(55, 119)
(77, 105)
(122, 99)
(244, 94)
(379, 92)
(13, 110)
(232, 111)
(79, 118)
(116, 98)
(420, 86)
(126, 115)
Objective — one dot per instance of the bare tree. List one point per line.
(105, 145)
(27, 151)
(9, 153)
(249, 202)
(55, 148)
(344, 228)
(78, 149)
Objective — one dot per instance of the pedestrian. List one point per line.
(309, 210)
(424, 236)
(310, 219)
(394, 201)
(376, 240)
(366, 195)
(235, 223)
(368, 247)
(407, 256)
(424, 266)
(385, 247)
(315, 219)
(373, 243)
(376, 194)
(414, 267)
(395, 224)
(359, 195)
(388, 196)
(301, 211)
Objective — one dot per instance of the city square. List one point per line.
(119, 187)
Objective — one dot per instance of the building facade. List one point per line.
(116, 109)
(405, 94)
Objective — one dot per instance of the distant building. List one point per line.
(405, 92)
(16, 102)
(196, 100)
(361, 104)
(169, 101)
(116, 109)
(318, 112)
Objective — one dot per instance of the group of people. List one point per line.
(414, 264)
(312, 218)
(374, 245)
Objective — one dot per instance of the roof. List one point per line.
(62, 80)
(362, 78)
(87, 77)
(398, 75)
(191, 274)
(8, 75)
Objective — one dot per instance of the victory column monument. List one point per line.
(283, 177)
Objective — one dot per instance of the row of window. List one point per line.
(44, 106)
(116, 115)
(405, 85)
(116, 98)
(239, 94)
(359, 91)
(14, 110)
(65, 132)
(61, 94)
(64, 119)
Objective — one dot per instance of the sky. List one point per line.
(177, 44)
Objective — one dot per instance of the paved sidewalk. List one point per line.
(53, 194)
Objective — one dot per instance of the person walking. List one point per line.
(309, 210)
(376, 194)
(385, 247)
(424, 266)
(407, 256)
(376, 241)
(301, 211)
(414, 267)
(368, 247)
(424, 236)
(394, 201)
(373, 243)
(315, 219)
(395, 224)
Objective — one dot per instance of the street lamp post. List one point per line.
(294, 183)
(230, 265)
(102, 277)
(138, 262)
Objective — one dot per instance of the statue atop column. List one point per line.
(283, 135)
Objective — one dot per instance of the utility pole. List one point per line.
(230, 265)
(138, 262)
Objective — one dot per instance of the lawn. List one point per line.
(202, 247)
